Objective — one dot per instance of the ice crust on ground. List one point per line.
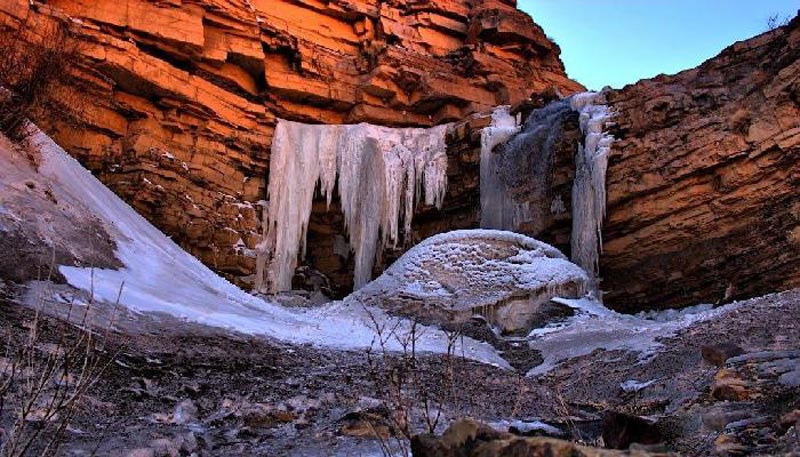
(381, 174)
(160, 277)
(596, 327)
(527, 427)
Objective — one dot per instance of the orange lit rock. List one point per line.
(181, 97)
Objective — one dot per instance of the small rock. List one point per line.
(789, 419)
(717, 354)
(726, 445)
(185, 412)
(260, 415)
(141, 452)
(719, 416)
(620, 430)
(165, 447)
(372, 423)
(728, 386)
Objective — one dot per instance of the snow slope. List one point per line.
(159, 276)
(596, 327)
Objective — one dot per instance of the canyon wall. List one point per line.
(179, 100)
(704, 180)
(181, 96)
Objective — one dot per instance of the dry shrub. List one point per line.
(414, 394)
(34, 70)
(46, 374)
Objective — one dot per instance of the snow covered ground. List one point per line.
(596, 327)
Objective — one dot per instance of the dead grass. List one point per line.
(46, 371)
(34, 75)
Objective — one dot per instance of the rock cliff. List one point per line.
(704, 180)
(182, 96)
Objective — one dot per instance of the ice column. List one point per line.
(589, 186)
(496, 207)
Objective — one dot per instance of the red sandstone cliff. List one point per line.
(704, 180)
(183, 94)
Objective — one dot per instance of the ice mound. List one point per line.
(502, 276)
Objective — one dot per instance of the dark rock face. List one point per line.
(537, 169)
(703, 201)
(620, 430)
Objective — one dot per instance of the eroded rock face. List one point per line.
(182, 96)
(703, 201)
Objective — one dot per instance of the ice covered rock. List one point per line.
(502, 276)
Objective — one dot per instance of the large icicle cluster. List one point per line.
(382, 173)
(496, 207)
(589, 186)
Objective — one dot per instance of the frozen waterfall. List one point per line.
(589, 186)
(496, 206)
(516, 177)
(382, 173)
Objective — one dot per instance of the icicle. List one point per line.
(496, 209)
(589, 186)
(381, 172)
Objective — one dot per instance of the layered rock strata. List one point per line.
(704, 180)
(181, 96)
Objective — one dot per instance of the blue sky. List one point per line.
(617, 42)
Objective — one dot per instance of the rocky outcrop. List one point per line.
(474, 439)
(182, 96)
(703, 202)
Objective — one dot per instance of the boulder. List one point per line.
(505, 278)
